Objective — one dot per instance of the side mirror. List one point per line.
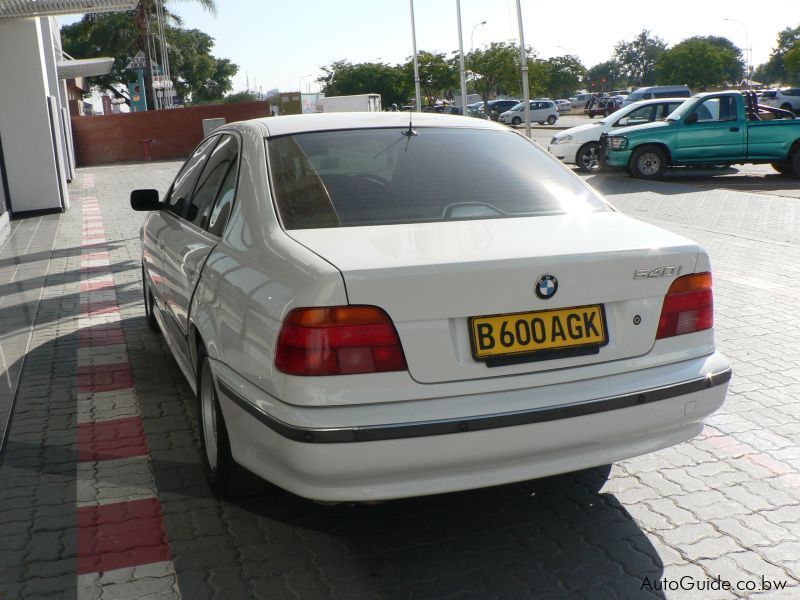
(622, 122)
(145, 200)
(691, 118)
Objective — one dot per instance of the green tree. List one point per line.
(145, 22)
(699, 63)
(605, 76)
(563, 76)
(637, 58)
(775, 70)
(437, 73)
(342, 78)
(791, 60)
(493, 69)
(197, 74)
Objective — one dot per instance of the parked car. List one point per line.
(787, 98)
(579, 145)
(563, 105)
(602, 105)
(717, 128)
(496, 107)
(542, 111)
(580, 101)
(370, 309)
(657, 91)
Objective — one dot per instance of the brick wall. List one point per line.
(175, 133)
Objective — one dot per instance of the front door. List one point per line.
(718, 134)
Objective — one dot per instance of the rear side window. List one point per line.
(768, 94)
(382, 176)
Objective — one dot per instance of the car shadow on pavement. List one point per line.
(554, 537)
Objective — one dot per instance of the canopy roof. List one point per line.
(84, 67)
(15, 9)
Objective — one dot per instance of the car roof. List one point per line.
(291, 124)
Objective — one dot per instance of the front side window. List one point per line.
(643, 114)
(220, 163)
(184, 183)
(383, 176)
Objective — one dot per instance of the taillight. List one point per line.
(338, 340)
(688, 306)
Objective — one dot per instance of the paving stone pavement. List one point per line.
(726, 504)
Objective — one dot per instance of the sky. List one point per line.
(284, 44)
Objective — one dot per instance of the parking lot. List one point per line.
(680, 523)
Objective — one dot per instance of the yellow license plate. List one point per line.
(520, 333)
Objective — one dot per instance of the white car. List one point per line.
(563, 105)
(369, 308)
(579, 145)
(788, 98)
(542, 111)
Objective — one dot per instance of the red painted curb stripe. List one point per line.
(109, 440)
(97, 308)
(124, 534)
(104, 378)
(101, 335)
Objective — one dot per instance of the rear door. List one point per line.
(195, 235)
(718, 134)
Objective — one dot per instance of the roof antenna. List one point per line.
(410, 131)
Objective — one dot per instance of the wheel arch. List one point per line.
(660, 145)
(794, 149)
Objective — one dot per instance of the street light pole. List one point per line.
(526, 96)
(416, 63)
(472, 35)
(461, 60)
(748, 51)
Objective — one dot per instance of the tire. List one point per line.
(591, 114)
(648, 162)
(782, 167)
(540, 122)
(516, 121)
(551, 119)
(587, 159)
(786, 106)
(152, 323)
(796, 164)
(220, 469)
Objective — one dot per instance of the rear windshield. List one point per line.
(382, 176)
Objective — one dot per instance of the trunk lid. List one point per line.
(432, 277)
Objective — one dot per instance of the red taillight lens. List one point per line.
(688, 306)
(338, 340)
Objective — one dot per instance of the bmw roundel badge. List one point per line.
(546, 286)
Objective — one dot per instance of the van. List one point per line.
(658, 91)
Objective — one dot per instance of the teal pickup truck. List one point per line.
(717, 128)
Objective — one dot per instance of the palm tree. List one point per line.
(145, 17)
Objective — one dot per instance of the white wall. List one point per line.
(33, 178)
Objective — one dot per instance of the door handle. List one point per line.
(734, 129)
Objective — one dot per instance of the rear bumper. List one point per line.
(318, 456)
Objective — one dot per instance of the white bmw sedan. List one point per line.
(381, 305)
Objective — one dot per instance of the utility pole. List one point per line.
(416, 63)
(526, 96)
(461, 59)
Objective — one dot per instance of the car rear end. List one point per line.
(503, 323)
